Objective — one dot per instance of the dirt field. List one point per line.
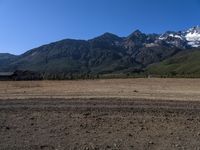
(161, 89)
(130, 114)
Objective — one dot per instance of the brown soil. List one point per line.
(119, 114)
(160, 89)
(119, 124)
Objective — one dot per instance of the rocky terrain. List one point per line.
(104, 124)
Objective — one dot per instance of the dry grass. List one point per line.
(164, 89)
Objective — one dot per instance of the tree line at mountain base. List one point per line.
(30, 75)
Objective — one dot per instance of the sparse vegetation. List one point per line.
(185, 64)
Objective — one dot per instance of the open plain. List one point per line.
(160, 89)
(117, 114)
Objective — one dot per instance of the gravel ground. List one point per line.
(92, 124)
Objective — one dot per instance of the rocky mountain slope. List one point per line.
(185, 39)
(107, 53)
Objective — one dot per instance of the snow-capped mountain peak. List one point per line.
(194, 29)
(171, 34)
(193, 36)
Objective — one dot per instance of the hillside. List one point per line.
(6, 59)
(6, 56)
(105, 54)
(184, 63)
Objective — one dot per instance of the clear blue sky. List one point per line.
(25, 24)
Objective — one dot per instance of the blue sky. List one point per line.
(25, 24)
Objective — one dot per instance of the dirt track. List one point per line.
(99, 124)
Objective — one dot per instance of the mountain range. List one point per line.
(110, 53)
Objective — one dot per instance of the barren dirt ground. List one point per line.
(130, 114)
(161, 89)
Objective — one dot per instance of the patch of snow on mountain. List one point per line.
(193, 36)
(151, 45)
(162, 37)
(190, 37)
(165, 36)
(176, 36)
(194, 44)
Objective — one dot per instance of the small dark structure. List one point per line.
(6, 76)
